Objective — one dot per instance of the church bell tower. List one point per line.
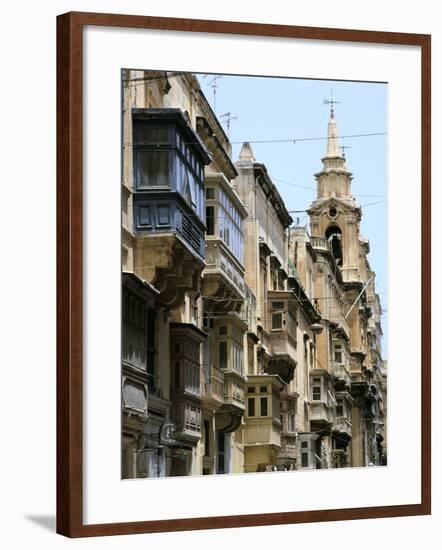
(335, 214)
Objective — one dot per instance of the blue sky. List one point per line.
(285, 109)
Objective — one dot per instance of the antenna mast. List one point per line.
(213, 84)
(228, 117)
(332, 102)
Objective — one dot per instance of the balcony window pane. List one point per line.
(144, 215)
(153, 169)
(291, 325)
(277, 321)
(291, 422)
(316, 393)
(147, 134)
(264, 408)
(177, 374)
(223, 355)
(210, 220)
(163, 215)
(180, 175)
(251, 406)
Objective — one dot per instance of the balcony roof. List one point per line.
(134, 281)
(178, 118)
(260, 378)
(190, 328)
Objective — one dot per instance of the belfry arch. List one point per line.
(333, 234)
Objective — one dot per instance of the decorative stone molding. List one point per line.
(166, 262)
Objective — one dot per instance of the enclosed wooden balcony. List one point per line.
(343, 426)
(289, 450)
(224, 273)
(288, 453)
(223, 277)
(229, 416)
(234, 392)
(339, 458)
(341, 376)
(185, 391)
(187, 418)
(322, 402)
(321, 415)
(212, 387)
(228, 356)
(263, 420)
(167, 192)
(263, 432)
(280, 339)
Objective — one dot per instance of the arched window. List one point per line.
(334, 238)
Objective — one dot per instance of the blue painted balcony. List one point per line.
(168, 202)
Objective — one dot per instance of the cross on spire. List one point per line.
(331, 102)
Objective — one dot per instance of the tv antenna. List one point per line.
(332, 102)
(228, 117)
(214, 85)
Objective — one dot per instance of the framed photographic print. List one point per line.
(243, 286)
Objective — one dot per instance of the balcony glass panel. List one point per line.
(162, 160)
(144, 133)
(230, 226)
(152, 169)
(144, 216)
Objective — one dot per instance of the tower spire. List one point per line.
(333, 148)
(334, 179)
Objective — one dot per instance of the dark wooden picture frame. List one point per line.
(70, 272)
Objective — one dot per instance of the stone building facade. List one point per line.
(248, 344)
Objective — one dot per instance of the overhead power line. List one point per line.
(315, 189)
(287, 140)
(316, 138)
